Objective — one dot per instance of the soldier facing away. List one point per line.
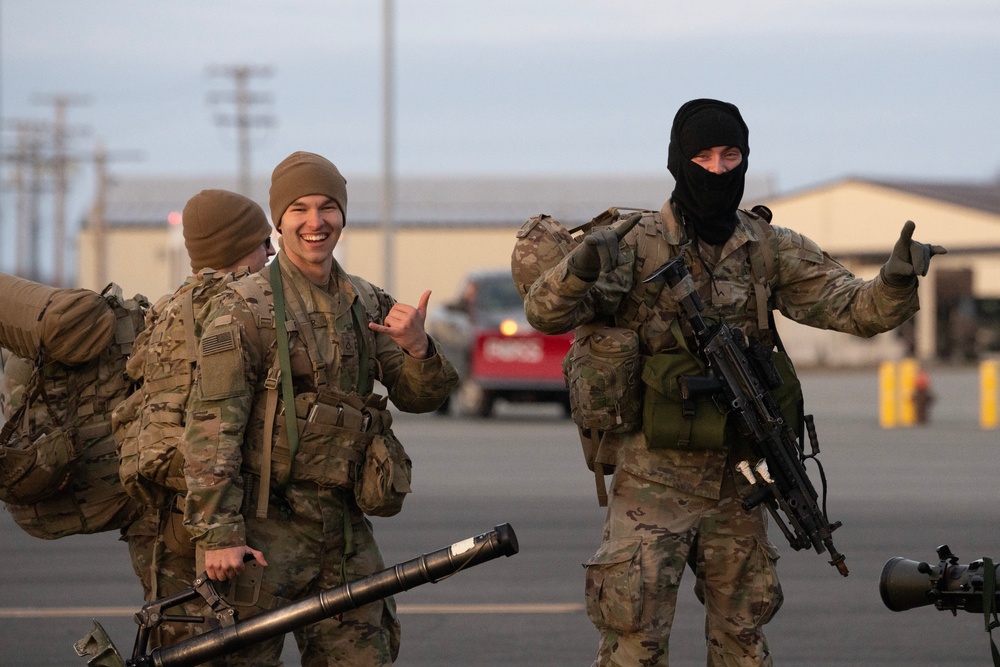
(674, 498)
(286, 492)
(227, 236)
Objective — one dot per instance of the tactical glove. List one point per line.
(909, 258)
(600, 250)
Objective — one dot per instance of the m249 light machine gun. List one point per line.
(236, 634)
(741, 387)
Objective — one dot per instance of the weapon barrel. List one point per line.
(429, 568)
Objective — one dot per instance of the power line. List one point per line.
(242, 99)
(60, 164)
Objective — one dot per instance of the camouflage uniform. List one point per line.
(314, 536)
(663, 498)
(163, 359)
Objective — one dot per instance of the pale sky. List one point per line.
(881, 88)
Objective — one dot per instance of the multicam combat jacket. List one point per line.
(808, 286)
(226, 411)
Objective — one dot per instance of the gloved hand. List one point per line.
(600, 250)
(909, 258)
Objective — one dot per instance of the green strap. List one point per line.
(287, 393)
(358, 309)
(362, 321)
(990, 605)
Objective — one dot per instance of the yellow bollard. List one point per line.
(988, 394)
(908, 371)
(887, 413)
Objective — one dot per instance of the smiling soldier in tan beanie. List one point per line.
(227, 235)
(306, 515)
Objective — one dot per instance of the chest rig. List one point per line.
(646, 309)
(322, 366)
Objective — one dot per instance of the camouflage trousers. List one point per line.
(633, 579)
(304, 541)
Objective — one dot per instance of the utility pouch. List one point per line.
(34, 463)
(385, 477)
(329, 451)
(602, 373)
(678, 410)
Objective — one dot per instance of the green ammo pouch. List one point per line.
(669, 421)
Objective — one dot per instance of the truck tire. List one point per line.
(473, 401)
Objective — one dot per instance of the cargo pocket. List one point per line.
(765, 588)
(614, 585)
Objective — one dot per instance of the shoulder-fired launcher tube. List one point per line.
(429, 568)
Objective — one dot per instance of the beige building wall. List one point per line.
(435, 259)
(141, 260)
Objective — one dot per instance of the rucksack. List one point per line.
(58, 467)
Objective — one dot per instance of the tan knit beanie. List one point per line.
(301, 174)
(221, 228)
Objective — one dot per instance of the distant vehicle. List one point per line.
(496, 352)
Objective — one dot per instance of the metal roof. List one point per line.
(980, 196)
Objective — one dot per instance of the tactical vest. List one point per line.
(336, 422)
(604, 367)
(149, 425)
(58, 466)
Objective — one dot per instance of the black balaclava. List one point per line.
(709, 201)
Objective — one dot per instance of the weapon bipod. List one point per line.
(152, 614)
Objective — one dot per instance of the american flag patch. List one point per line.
(220, 342)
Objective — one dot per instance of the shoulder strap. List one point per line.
(365, 303)
(651, 251)
(287, 392)
(187, 321)
(763, 266)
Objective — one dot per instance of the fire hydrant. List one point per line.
(923, 397)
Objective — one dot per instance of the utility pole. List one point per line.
(242, 98)
(98, 221)
(60, 164)
(28, 166)
(98, 216)
(388, 167)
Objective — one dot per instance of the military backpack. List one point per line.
(58, 467)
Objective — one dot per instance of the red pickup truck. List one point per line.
(496, 352)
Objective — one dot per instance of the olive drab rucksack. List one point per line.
(58, 466)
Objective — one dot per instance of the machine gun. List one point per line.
(741, 386)
(236, 634)
(949, 586)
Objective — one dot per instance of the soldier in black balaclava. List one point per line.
(676, 496)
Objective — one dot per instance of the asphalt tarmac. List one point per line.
(898, 492)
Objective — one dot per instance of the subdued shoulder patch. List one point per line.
(221, 372)
(220, 341)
